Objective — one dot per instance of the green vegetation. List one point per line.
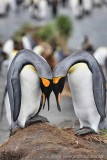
(64, 26)
(104, 132)
(60, 29)
(46, 33)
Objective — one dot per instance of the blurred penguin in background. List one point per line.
(3, 56)
(8, 48)
(87, 45)
(54, 7)
(27, 41)
(77, 8)
(11, 47)
(13, 5)
(43, 9)
(64, 3)
(87, 6)
(101, 56)
(34, 9)
(27, 3)
(45, 50)
(98, 3)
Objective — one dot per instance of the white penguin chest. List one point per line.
(30, 93)
(80, 82)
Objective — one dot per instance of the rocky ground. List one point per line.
(44, 141)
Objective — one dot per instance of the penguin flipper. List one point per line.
(3, 101)
(99, 91)
(16, 97)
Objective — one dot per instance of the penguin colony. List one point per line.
(86, 81)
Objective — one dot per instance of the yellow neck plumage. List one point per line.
(76, 66)
(30, 67)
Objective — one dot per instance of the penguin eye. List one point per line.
(45, 82)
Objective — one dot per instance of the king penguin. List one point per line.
(87, 85)
(29, 88)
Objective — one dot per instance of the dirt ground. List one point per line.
(44, 141)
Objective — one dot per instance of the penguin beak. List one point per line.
(58, 85)
(46, 88)
(43, 100)
(58, 98)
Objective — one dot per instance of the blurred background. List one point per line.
(53, 29)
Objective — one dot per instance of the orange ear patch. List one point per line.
(56, 79)
(45, 82)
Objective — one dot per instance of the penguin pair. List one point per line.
(86, 81)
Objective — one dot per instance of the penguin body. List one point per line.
(80, 82)
(101, 54)
(30, 92)
(23, 85)
(88, 88)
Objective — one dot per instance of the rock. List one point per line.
(43, 141)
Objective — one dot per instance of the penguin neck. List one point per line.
(63, 67)
(27, 57)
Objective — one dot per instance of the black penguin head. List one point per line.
(58, 85)
(46, 88)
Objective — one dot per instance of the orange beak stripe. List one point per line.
(44, 98)
(56, 79)
(59, 98)
(45, 82)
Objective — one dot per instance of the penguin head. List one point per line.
(46, 88)
(58, 85)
